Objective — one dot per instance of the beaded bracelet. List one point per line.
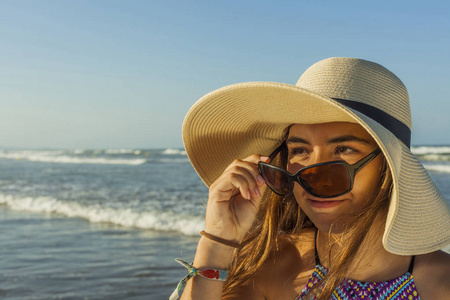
(212, 274)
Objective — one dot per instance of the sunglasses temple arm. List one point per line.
(277, 150)
(365, 161)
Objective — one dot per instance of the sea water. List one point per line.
(107, 224)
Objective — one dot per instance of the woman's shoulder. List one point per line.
(288, 269)
(285, 272)
(433, 264)
(431, 275)
(299, 246)
(292, 247)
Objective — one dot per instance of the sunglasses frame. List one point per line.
(353, 169)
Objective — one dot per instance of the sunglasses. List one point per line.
(322, 180)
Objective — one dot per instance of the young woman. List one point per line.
(349, 213)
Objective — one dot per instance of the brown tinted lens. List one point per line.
(326, 180)
(275, 179)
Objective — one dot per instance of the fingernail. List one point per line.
(260, 179)
(248, 195)
(257, 192)
(264, 158)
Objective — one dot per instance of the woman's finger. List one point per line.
(236, 179)
(250, 164)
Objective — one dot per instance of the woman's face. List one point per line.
(316, 143)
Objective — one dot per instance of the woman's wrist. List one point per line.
(213, 254)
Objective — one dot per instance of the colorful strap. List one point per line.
(212, 274)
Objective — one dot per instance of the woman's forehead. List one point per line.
(329, 131)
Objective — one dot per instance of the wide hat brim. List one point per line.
(252, 118)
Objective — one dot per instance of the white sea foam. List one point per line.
(435, 157)
(162, 221)
(59, 157)
(171, 151)
(79, 151)
(438, 167)
(173, 160)
(430, 150)
(120, 151)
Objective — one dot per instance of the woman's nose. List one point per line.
(319, 156)
(317, 179)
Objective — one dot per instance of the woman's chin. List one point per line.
(329, 224)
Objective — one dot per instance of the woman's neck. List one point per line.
(370, 263)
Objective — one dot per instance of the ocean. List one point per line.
(108, 224)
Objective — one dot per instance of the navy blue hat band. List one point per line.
(399, 129)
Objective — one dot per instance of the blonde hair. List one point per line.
(282, 215)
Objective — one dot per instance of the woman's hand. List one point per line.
(233, 203)
(234, 199)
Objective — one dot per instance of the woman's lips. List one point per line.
(324, 203)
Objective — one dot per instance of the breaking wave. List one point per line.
(128, 217)
(106, 156)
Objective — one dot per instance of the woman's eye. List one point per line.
(345, 150)
(297, 151)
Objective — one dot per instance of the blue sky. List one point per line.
(123, 74)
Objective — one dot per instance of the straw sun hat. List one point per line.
(247, 118)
